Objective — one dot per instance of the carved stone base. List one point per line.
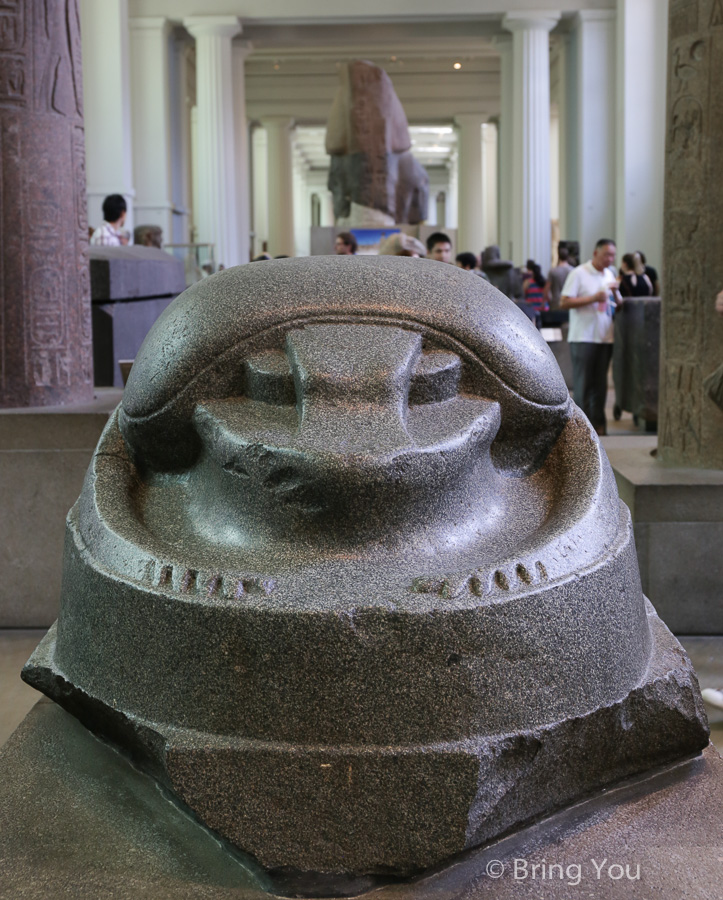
(400, 809)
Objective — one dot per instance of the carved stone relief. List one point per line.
(45, 335)
(691, 423)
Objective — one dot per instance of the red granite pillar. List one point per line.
(45, 331)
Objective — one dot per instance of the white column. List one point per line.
(280, 184)
(641, 65)
(593, 190)
(217, 213)
(554, 186)
(567, 152)
(470, 214)
(302, 208)
(531, 134)
(182, 92)
(107, 104)
(451, 210)
(195, 186)
(241, 50)
(489, 185)
(327, 207)
(503, 43)
(260, 189)
(151, 121)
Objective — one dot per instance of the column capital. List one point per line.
(212, 26)
(531, 21)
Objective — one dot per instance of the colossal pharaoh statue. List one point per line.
(349, 573)
(373, 176)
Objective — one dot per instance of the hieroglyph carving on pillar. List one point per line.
(45, 331)
(693, 276)
(57, 60)
(684, 17)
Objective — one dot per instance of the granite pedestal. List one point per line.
(678, 523)
(80, 821)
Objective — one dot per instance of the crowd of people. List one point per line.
(582, 297)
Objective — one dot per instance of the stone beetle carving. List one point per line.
(350, 565)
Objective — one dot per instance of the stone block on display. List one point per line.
(636, 359)
(134, 273)
(130, 288)
(350, 576)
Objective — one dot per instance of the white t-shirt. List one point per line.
(591, 324)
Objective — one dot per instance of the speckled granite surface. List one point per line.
(349, 573)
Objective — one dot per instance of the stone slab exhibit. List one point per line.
(45, 329)
(130, 288)
(87, 824)
(134, 273)
(350, 577)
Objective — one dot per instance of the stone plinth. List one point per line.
(678, 523)
(82, 815)
(45, 330)
(691, 425)
(44, 454)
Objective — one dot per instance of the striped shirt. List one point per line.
(106, 236)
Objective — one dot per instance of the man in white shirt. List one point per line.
(110, 234)
(591, 294)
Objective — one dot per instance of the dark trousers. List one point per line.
(590, 364)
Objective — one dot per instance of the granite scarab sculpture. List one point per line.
(350, 575)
